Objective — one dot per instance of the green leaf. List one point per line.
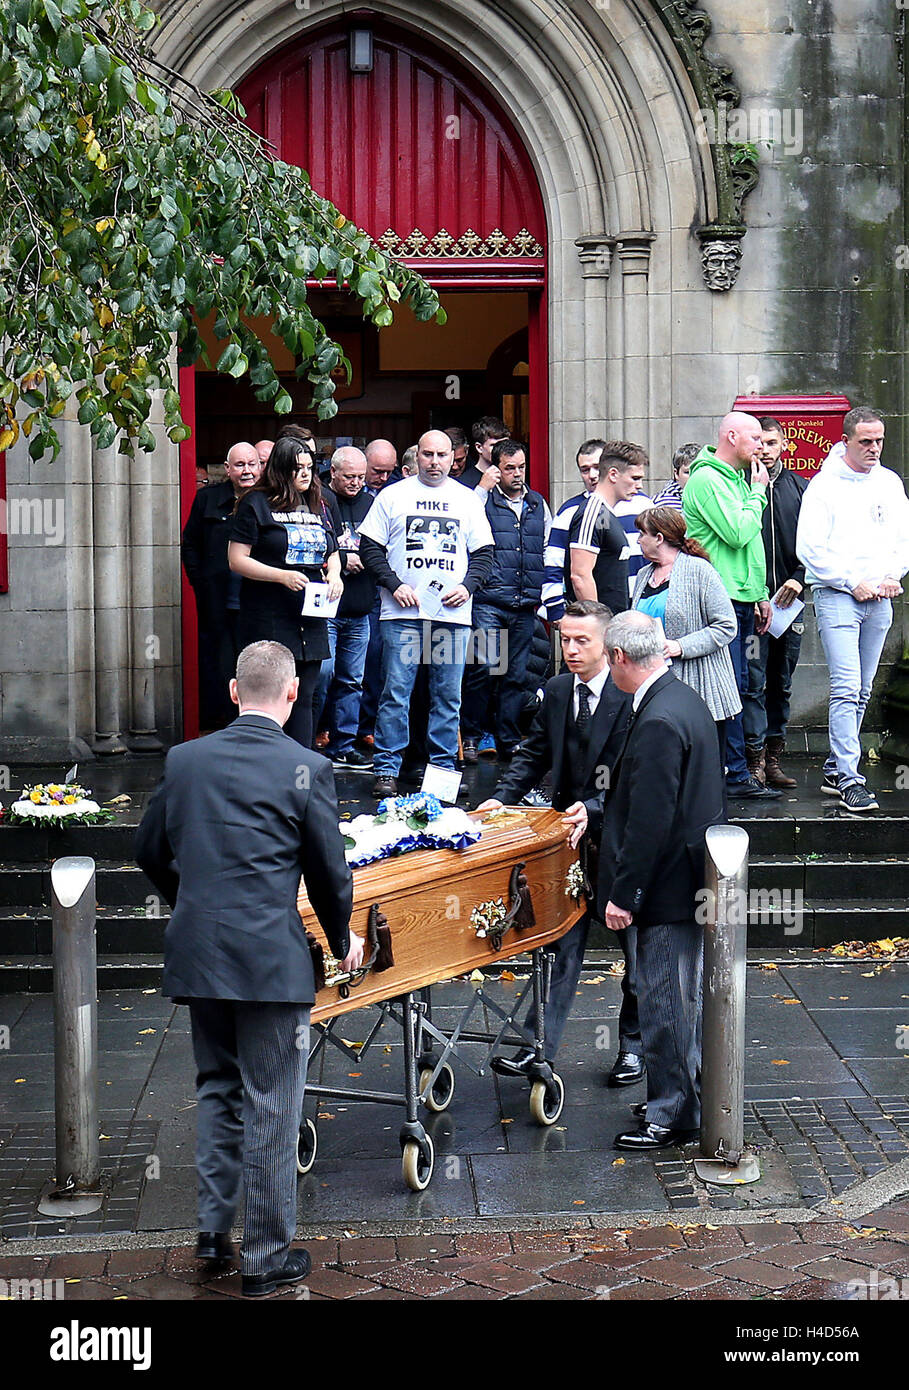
(95, 63)
(54, 15)
(121, 87)
(37, 141)
(70, 47)
(88, 412)
(284, 404)
(228, 357)
(106, 435)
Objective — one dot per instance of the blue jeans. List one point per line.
(409, 643)
(342, 680)
(736, 766)
(502, 642)
(853, 635)
(372, 675)
(765, 706)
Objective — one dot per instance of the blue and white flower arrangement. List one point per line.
(403, 823)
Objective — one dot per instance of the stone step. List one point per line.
(773, 832)
(28, 974)
(117, 883)
(27, 930)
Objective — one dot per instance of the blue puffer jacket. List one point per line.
(517, 574)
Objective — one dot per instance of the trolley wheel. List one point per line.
(439, 1098)
(307, 1144)
(417, 1164)
(547, 1099)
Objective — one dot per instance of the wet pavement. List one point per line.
(827, 1062)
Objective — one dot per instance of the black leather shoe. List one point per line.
(518, 1065)
(639, 1110)
(627, 1070)
(214, 1245)
(648, 1137)
(294, 1270)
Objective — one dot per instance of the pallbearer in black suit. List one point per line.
(236, 818)
(667, 791)
(576, 735)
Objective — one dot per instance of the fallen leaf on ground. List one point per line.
(780, 1062)
(617, 1162)
(507, 975)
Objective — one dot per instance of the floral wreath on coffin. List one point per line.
(404, 823)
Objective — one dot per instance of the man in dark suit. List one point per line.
(236, 818)
(576, 735)
(667, 791)
(217, 591)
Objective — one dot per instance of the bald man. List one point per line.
(381, 462)
(723, 505)
(426, 601)
(217, 591)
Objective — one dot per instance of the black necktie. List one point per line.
(583, 720)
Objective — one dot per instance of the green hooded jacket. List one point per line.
(724, 512)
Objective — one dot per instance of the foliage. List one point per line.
(129, 199)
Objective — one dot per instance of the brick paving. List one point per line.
(768, 1261)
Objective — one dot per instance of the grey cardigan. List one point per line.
(700, 617)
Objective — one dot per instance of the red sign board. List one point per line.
(813, 424)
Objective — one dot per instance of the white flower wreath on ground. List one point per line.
(56, 803)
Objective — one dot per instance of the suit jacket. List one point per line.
(236, 818)
(667, 789)
(543, 750)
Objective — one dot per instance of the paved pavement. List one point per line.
(822, 1259)
(826, 1106)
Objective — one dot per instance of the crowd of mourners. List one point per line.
(449, 573)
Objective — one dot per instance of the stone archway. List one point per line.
(609, 115)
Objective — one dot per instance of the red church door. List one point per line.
(416, 150)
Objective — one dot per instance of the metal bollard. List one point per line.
(75, 1039)
(723, 1064)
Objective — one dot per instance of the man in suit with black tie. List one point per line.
(576, 735)
(667, 791)
(236, 819)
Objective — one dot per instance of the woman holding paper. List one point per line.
(283, 541)
(681, 587)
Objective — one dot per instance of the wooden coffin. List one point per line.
(427, 897)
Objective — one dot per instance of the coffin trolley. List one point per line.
(421, 914)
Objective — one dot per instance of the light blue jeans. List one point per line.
(853, 635)
(407, 644)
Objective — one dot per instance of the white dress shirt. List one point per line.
(642, 689)
(595, 686)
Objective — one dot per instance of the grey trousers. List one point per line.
(563, 983)
(251, 1074)
(669, 976)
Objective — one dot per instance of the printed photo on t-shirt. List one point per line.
(305, 538)
(428, 536)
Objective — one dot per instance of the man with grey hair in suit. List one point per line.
(235, 820)
(667, 789)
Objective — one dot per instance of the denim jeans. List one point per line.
(372, 675)
(853, 635)
(736, 766)
(501, 646)
(342, 680)
(408, 643)
(765, 706)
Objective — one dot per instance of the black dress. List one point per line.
(297, 540)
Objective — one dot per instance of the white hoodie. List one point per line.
(853, 527)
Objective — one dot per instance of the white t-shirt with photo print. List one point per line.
(429, 534)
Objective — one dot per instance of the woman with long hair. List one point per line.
(282, 540)
(680, 586)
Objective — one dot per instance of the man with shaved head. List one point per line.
(723, 506)
(381, 462)
(427, 589)
(217, 591)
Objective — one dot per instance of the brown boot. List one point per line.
(754, 757)
(775, 776)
